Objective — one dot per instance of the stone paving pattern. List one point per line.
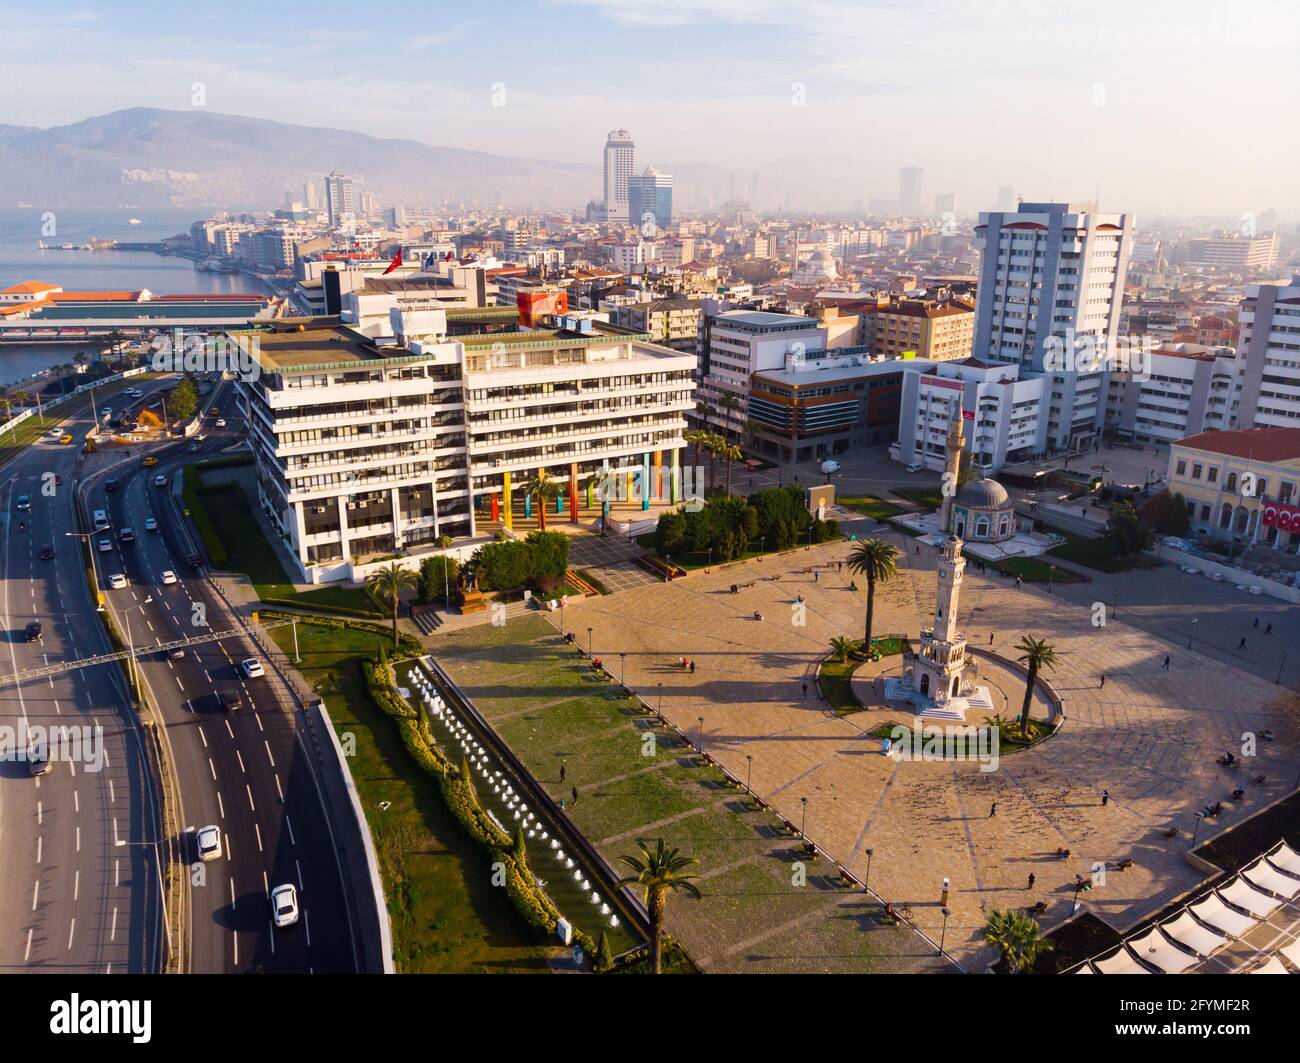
(1150, 736)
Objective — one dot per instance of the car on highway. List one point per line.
(252, 668)
(65, 439)
(33, 631)
(214, 411)
(47, 552)
(916, 467)
(23, 504)
(178, 654)
(168, 577)
(106, 411)
(117, 581)
(209, 843)
(194, 561)
(105, 545)
(160, 480)
(101, 520)
(37, 762)
(229, 700)
(221, 422)
(284, 905)
(110, 485)
(149, 462)
(127, 535)
(150, 525)
(193, 448)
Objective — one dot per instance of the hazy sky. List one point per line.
(1166, 106)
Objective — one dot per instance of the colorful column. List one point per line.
(591, 488)
(507, 501)
(496, 508)
(675, 477)
(631, 480)
(659, 475)
(645, 480)
(573, 492)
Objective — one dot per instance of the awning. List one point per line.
(1214, 913)
(1200, 939)
(1241, 894)
(1120, 961)
(1265, 876)
(1160, 952)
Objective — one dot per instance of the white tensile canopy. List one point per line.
(1121, 961)
(1201, 940)
(1274, 966)
(1263, 875)
(1286, 858)
(1213, 912)
(1159, 951)
(1243, 895)
(1292, 953)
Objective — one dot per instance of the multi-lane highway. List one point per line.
(80, 888)
(241, 770)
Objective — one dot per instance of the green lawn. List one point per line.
(869, 506)
(1096, 553)
(226, 521)
(929, 497)
(837, 676)
(1036, 570)
(447, 916)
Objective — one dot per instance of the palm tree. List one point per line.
(729, 453)
(877, 561)
(728, 402)
(387, 584)
(542, 488)
(1035, 655)
(1019, 938)
(715, 445)
(842, 646)
(695, 437)
(658, 870)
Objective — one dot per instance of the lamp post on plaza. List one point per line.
(1051, 577)
(1191, 633)
(589, 630)
(661, 700)
(749, 774)
(867, 882)
(804, 822)
(699, 734)
(944, 932)
(622, 660)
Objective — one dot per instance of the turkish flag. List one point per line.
(397, 261)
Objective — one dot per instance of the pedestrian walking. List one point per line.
(1269, 630)
(692, 667)
(841, 568)
(1256, 622)
(1242, 644)
(563, 772)
(1105, 798)
(1103, 681)
(1165, 666)
(805, 689)
(1032, 880)
(990, 638)
(993, 810)
(575, 795)
(1018, 581)
(817, 577)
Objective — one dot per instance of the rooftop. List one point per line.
(1257, 444)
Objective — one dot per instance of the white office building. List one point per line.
(620, 163)
(1268, 349)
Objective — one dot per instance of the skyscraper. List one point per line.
(1051, 283)
(650, 200)
(1006, 199)
(620, 161)
(310, 198)
(338, 196)
(909, 190)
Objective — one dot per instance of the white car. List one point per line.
(117, 581)
(284, 905)
(105, 545)
(915, 467)
(221, 422)
(252, 668)
(106, 411)
(160, 480)
(830, 465)
(150, 524)
(209, 842)
(168, 577)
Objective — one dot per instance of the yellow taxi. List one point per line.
(150, 462)
(65, 439)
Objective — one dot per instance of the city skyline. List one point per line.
(1089, 113)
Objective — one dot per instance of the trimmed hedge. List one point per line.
(457, 789)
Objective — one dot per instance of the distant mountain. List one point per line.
(149, 157)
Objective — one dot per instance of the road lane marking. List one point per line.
(269, 755)
(241, 762)
(289, 824)
(221, 805)
(249, 790)
(36, 892)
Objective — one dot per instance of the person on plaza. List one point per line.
(1105, 798)
(993, 810)
(692, 667)
(1031, 881)
(563, 772)
(575, 795)
(1165, 666)
(1103, 681)
(1269, 630)
(1242, 644)
(805, 688)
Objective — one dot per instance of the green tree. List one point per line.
(543, 489)
(1036, 655)
(438, 575)
(730, 453)
(878, 562)
(1125, 533)
(387, 584)
(670, 533)
(1167, 514)
(842, 646)
(1018, 937)
(659, 872)
(604, 958)
(184, 400)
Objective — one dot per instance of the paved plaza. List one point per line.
(1151, 736)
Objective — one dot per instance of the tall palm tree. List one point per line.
(659, 872)
(387, 584)
(878, 562)
(1035, 655)
(695, 437)
(542, 488)
(728, 402)
(714, 444)
(1018, 936)
(729, 453)
(842, 646)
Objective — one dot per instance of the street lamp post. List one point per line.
(130, 644)
(661, 700)
(1051, 577)
(589, 653)
(700, 733)
(804, 822)
(867, 882)
(1281, 665)
(561, 616)
(1114, 604)
(749, 774)
(944, 932)
(1196, 829)
(1191, 633)
(622, 660)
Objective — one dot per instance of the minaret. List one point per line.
(952, 463)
